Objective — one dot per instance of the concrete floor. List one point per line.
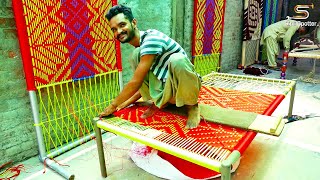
(295, 155)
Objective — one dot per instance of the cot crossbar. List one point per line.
(249, 83)
(315, 54)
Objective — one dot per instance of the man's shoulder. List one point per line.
(154, 32)
(155, 36)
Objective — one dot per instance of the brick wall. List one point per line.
(232, 35)
(17, 135)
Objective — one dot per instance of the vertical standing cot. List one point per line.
(213, 146)
(252, 22)
(208, 25)
(72, 66)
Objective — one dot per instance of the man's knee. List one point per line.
(178, 60)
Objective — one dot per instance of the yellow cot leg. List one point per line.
(293, 91)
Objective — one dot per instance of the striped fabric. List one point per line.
(155, 42)
(270, 12)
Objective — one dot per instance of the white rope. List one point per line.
(310, 78)
(247, 83)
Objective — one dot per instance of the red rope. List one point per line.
(5, 164)
(12, 172)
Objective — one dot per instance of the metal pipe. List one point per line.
(120, 81)
(42, 152)
(217, 74)
(97, 130)
(293, 91)
(36, 119)
(56, 167)
(71, 145)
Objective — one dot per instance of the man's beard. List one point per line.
(129, 33)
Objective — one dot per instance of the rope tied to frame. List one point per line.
(45, 164)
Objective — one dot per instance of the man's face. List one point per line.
(122, 28)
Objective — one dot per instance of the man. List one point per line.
(162, 71)
(277, 32)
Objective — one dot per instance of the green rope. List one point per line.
(206, 64)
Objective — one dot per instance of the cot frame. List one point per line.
(224, 167)
(312, 52)
(44, 157)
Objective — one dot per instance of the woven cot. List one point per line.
(208, 21)
(72, 66)
(210, 148)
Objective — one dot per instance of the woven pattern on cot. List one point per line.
(270, 12)
(252, 19)
(67, 40)
(212, 134)
(208, 26)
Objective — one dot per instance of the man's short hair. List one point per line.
(118, 9)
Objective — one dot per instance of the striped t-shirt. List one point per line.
(155, 42)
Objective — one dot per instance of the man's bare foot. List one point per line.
(193, 116)
(150, 111)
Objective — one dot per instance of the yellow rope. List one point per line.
(206, 64)
(67, 109)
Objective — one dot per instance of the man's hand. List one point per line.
(121, 106)
(109, 110)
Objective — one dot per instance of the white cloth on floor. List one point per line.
(147, 159)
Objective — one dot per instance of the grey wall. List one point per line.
(173, 17)
(154, 14)
(17, 135)
(232, 35)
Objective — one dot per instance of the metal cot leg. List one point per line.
(97, 130)
(226, 165)
(284, 66)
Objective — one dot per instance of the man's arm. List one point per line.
(131, 100)
(287, 37)
(133, 85)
